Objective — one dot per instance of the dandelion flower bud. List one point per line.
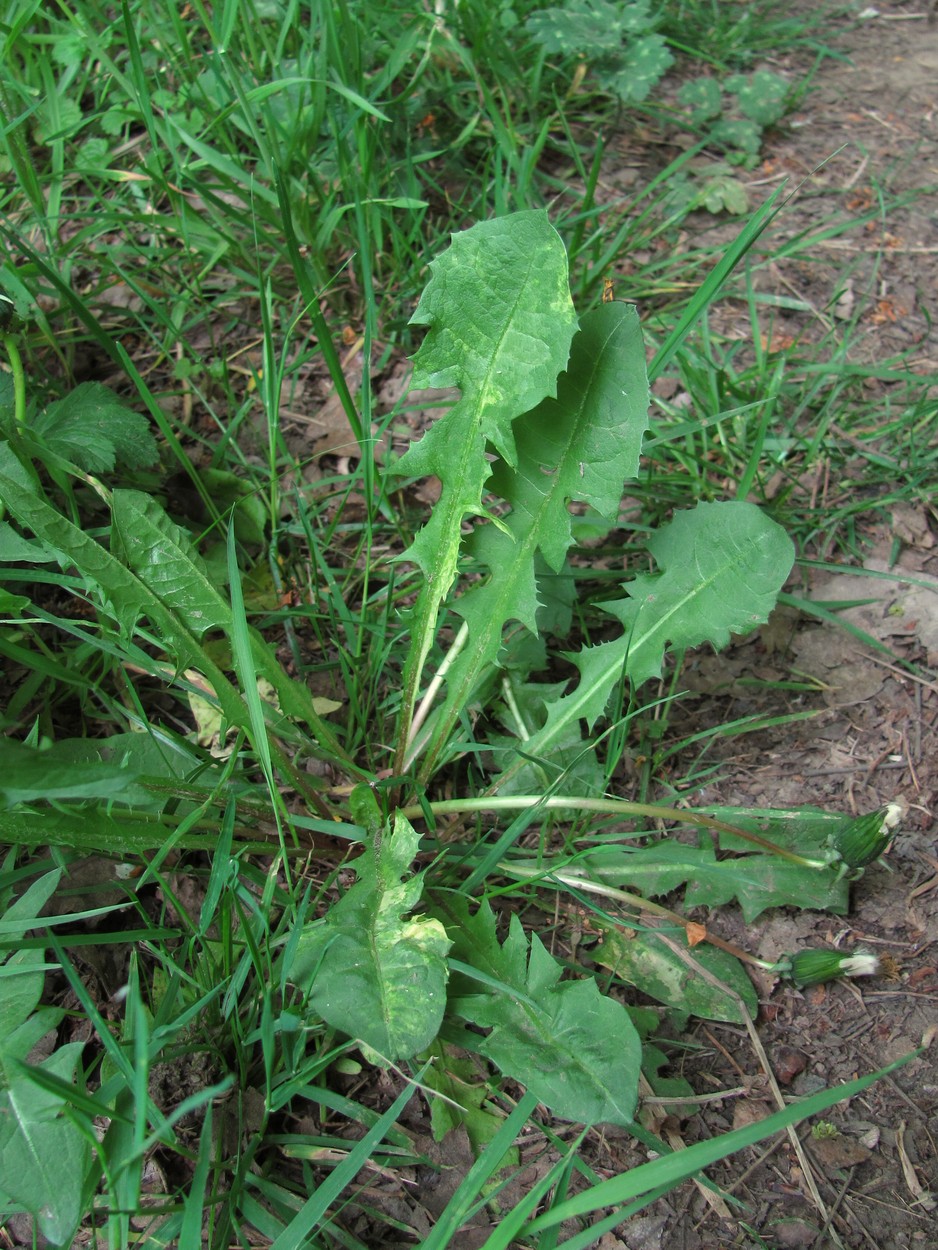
(813, 967)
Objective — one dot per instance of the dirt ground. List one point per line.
(869, 127)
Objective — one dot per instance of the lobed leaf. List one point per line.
(723, 565)
(501, 321)
(580, 446)
(372, 970)
(756, 881)
(574, 1049)
(94, 429)
(164, 580)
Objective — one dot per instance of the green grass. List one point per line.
(196, 204)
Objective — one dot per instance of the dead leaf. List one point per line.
(696, 933)
(887, 311)
(834, 1153)
(921, 1195)
(794, 1234)
(911, 525)
(787, 1063)
(747, 1112)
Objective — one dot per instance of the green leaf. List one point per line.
(762, 96)
(230, 492)
(641, 958)
(757, 881)
(21, 913)
(581, 28)
(57, 117)
(501, 322)
(44, 1157)
(631, 76)
(92, 829)
(457, 1079)
(653, 1060)
(20, 990)
(27, 775)
(724, 193)
(13, 470)
(804, 830)
(167, 585)
(704, 98)
(15, 549)
(723, 565)
(737, 135)
(580, 446)
(370, 972)
(575, 1050)
(95, 430)
(163, 555)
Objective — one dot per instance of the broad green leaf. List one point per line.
(16, 1045)
(13, 470)
(807, 831)
(737, 134)
(12, 605)
(27, 775)
(580, 446)
(28, 907)
(121, 593)
(232, 493)
(586, 28)
(575, 1050)
(762, 96)
(94, 429)
(642, 64)
(723, 565)
(14, 549)
(94, 829)
(374, 970)
(500, 321)
(163, 555)
(653, 1060)
(581, 771)
(20, 991)
(756, 881)
(44, 1157)
(703, 97)
(642, 959)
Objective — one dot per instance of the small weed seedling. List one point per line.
(407, 961)
(734, 113)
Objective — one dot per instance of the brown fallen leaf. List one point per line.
(834, 1153)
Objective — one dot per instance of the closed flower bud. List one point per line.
(865, 839)
(813, 967)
